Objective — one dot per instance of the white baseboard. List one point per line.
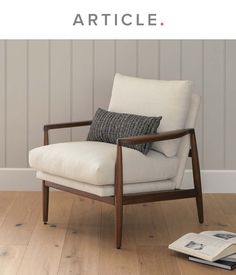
(213, 181)
(19, 179)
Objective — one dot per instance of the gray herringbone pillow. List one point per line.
(109, 126)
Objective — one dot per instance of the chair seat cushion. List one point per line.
(94, 163)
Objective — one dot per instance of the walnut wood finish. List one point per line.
(196, 176)
(46, 138)
(154, 137)
(46, 185)
(119, 196)
(45, 202)
(158, 196)
(67, 125)
(119, 199)
(109, 200)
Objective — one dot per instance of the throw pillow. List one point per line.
(109, 126)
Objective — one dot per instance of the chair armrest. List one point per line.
(154, 137)
(66, 125)
(150, 138)
(48, 127)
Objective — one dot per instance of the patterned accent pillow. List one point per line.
(109, 126)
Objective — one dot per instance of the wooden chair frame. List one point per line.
(119, 199)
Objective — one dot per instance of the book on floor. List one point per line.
(207, 245)
(219, 263)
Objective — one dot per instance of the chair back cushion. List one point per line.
(169, 99)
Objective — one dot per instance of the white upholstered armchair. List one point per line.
(118, 175)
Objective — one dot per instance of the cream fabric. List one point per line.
(169, 99)
(93, 162)
(184, 146)
(108, 190)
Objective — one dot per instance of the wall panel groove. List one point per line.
(224, 123)
(93, 75)
(202, 105)
(49, 82)
(27, 101)
(61, 80)
(71, 83)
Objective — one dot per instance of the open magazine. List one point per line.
(207, 245)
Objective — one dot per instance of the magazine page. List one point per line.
(200, 245)
(231, 258)
(228, 237)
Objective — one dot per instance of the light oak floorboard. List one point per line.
(10, 258)
(117, 261)
(21, 219)
(149, 225)
(80, 237)
(157, 260)
(6, 201)
(81, 248)
(43, 253)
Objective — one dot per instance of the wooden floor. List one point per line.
(79, 238)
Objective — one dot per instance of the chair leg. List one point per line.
(45, 202)
(119, 224)
(197, 177)
(119, 197)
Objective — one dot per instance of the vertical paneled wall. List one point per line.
(56, 81)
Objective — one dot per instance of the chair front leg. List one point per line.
(196, 176)
(45, 192)
(119, 196)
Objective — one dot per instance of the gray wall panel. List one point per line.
(192, 69)
(38, 91)
(82, 85)
(170, 58)
(148, 65)
(214, 85)
(16, 104)
(104, 69)
(126, 57)
(2, 104)
(230, 105)
(60, 87)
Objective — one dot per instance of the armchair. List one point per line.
(115, 174)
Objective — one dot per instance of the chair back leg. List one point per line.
(45, 201)
(119, 197)
(196, 176)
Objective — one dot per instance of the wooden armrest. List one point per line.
(66, 125)
(48, 127)
(154, 137)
